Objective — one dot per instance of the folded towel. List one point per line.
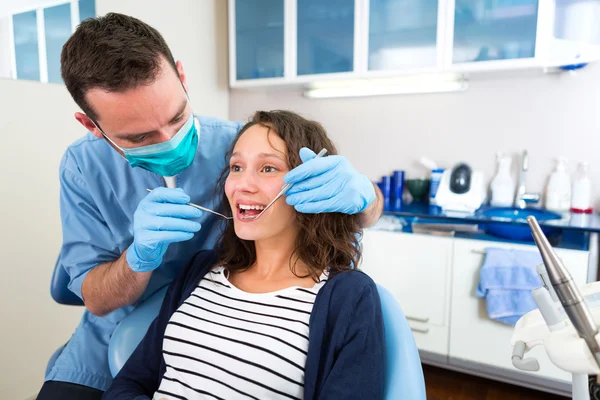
(506, 280)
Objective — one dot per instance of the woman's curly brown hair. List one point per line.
(325, 241)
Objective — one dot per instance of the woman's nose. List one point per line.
(247, 182)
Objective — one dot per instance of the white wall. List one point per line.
(5, 61)
(548, 115)
(196, 31)
(36, 125)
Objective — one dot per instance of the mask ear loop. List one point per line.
(196, 122)
(110, 142)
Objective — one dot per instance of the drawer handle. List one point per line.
(417, 319)
(419, 330)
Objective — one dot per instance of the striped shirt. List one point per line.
(224, 343)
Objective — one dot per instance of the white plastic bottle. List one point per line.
(558, 191)
(503, 184)
(582, 190)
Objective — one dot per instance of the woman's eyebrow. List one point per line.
(271, 155)
(262, 155)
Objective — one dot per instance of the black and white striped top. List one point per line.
(224, 343)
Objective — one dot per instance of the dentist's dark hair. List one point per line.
(115, 53)
(325, 241)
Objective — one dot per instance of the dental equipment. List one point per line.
(564, 323)
(567, 291)
(285, 188)
(203, 208)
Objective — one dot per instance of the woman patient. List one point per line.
(278, 310)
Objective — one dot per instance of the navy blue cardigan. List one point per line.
(346, 348)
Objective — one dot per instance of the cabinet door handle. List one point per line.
(419, 330)
(417, 319)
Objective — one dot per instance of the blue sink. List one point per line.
(516, 231)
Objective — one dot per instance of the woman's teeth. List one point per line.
(253, 207)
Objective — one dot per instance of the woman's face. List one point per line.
(258, 164)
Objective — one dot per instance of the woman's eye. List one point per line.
(268, 168)
(235, 168)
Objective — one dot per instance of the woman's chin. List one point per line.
(248, 233)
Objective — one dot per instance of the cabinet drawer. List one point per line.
(415, 269)
(430, 337)
(475, 337)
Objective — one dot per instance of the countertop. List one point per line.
(570, 221)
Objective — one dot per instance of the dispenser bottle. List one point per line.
(582, 190)
(558, 191)
(503, 184)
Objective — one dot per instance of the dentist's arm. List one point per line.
(162, 218)
(113, 285)
(331, 184)
(373, 212)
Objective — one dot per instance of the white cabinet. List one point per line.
(416, 269)
(274, 42)
(403, 35)
(475, 337)
(256, 30)
(434, 279)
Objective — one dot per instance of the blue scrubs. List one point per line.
(98, 196)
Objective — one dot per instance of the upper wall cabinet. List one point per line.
(259, 34)
(32, 35)
(403, 34)
(494, 30)
(300, 41)
(325, 36)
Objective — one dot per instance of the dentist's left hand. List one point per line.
(162, 217)
(328, 184)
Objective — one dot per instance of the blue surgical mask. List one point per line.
(167, 158)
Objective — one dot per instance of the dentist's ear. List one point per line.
(181, 74)
(88, 124)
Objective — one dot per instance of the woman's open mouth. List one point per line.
(247, 211)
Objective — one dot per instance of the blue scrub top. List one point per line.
(99, 192)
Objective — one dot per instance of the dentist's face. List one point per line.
(258, 164)
(143, 115)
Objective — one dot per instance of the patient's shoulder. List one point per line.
(344, 290)
(352, 279)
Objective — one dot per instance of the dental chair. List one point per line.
(404, 373)
(62, 295)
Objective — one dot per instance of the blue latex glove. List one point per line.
(328, 184)
(161, 218)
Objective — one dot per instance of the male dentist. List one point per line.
(121, 244)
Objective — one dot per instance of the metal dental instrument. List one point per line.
(203, 208)
(283, 191)
(567, 292)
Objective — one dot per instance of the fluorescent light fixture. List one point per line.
(432, 83)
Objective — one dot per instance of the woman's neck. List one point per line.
(272, 270)
(274, 257)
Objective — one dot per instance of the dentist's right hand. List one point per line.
(162, 217)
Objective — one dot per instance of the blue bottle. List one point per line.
(386, 190)
(397, 190)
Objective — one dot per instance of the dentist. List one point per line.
(117, 249)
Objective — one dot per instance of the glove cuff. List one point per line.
(137, 264)
(368, 195)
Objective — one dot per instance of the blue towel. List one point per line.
(506, 280)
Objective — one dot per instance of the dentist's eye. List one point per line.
(138, 139)
(268, 169)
